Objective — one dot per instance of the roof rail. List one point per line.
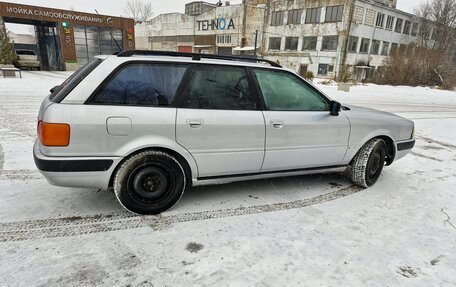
(195, 56)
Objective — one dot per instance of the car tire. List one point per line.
(149, 182)
(367, 165)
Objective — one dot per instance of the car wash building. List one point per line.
(67, 39)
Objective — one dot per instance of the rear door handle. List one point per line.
(195, 124)
(277, 124)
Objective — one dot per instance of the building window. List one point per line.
(334, 13)
(324, 69)
(364, 48)
(398, 28)
(434, 34)
(394, 47)
(277, 18)
(407, 26)
(309, 43)
(274, 43)
(389, 23)
(291, 43)
(415, 29)
(330, 43)
(375, 47)
(353, 44)
(224, 39)
(385, 48)
(313, 15)
(294, 16)
(380, 20)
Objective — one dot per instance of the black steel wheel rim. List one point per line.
(374, 166)
(151, 183)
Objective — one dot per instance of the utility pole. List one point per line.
(256, 45)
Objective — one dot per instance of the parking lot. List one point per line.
(297, 231)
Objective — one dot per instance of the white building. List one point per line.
(320, 36)
(225, 29)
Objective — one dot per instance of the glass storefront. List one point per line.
(92, 41)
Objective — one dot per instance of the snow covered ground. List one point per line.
(299, 231)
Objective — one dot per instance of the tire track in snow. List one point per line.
(74, 226)
(19, 174)
(429, 140)
(2, 159)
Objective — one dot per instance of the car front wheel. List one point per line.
(149, 182)
(368, 163)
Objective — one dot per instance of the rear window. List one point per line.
(66, 87)
(141, 84)
(25, 52)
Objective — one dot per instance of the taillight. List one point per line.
(54, 134)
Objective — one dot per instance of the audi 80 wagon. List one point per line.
(151, 124)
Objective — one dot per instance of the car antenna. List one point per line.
(110, 33)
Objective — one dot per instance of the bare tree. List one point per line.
(139, 10)
(438, 16)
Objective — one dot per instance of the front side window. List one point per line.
(142, 84)
(334, 13)
(309, 43)
(330, 43)
(291, 43)
(283, 91)
(274, 43)
(219, 88)
(353, 44)
(313, 15)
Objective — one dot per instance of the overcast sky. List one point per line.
(116, 8)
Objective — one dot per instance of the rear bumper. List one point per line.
(88, 172)
(28, 64)
(403, 148)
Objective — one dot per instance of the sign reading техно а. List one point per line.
(216, 24)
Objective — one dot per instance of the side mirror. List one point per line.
(54, 89)
(334, 108)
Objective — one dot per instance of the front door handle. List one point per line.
(195, 124)
(277, 124)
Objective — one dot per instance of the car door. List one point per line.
(300, 132)
(219, 121)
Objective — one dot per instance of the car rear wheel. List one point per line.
(368, 163)
(149, 182)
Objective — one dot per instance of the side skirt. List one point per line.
(253, 176)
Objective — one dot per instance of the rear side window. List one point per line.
(149, 84)
(64, 89)
(219, 87)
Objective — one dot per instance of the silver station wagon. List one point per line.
(151, 124)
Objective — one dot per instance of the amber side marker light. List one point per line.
(54, 134)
